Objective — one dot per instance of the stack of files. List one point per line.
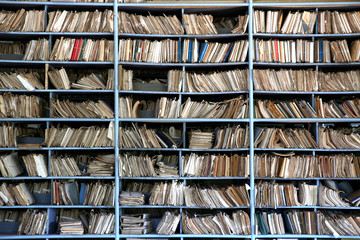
(137, 50)
(102, 166)
(338, 22)
(221, 223)
(40, 187)
(11, 195)
(59, 78)
(66, 193)
(71, 49)
(284, 138)
(355, 51)
(330, 197)
(231, 137)
(10, 165)
(64, 165)
(214, 52)
(33, 222)
(19, 80)
(87, 109)
(282, 165)
(175, 80)
(338, 223)
(12, 47)
(10, 216)
(166, 193)
(22, 21)
(295, 222)
(229, 108)
(195, 165)
(71, 228)
(199, 24)
(342, 138)
(322, 51)
(339, 81)
(37, 50)
(286, 80)
(340, 52)
(131, 198)
(163, 107)
(85, 21)
(295, 22)
(95, 81)
(20, 106)
(168, 223)
(338, 109)
(139, 24)
(339, 166)
(232, 196)
(135, 224)
(284, 109)
(201, 140)
(97, 194)
(101, 223)
(141, 137)
(36, 165)
(283, 51)
(242, 24)
(224, 81)
(96, 136)
(167, 169)
(285, 194)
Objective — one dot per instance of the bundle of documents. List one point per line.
(11, 195)
(64, 165)
(201, 140)
(166, 193)
(339, 166)
(10, 165)
(131, 198)
(20, 106)
(338, 223)
(135, 224)
(33, 222)
(199, 24)
(37, 50)
(284, 109)
(19, 80)
(101, 223)
(71, 228)
(342, 138)
(98, 194)
(8, 134)
(168, 223)
(338, 109)
(338, 22)
(36, 165)
(195, 165)
(102, 166)
(22, 21)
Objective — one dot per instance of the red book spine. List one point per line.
(73, 54)
(277, 51)
(79, 49)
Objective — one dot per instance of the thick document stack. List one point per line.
(194, 165)
(138, 50)
(131, 198)
(343, 138)
(101, 223)
(8, 134)
(161, 108)
(11, 195)
(10, 165)
(283, 51)
(299, 22)
(339, 166)
(87, 109)
(71, 228)
(229, 108)
(20, 106)
(135, 224)
(221, 223)
(214, 52)
(295, 222)
(338, 223)
(338, 109)
(102, 166)
(232, 196)
(159, 25)
(71, 49)
(284, 109)
(37, 50)
(22, 21)
(142, 137)
(224, 81)
(339, 81)
(168, 223)
(355, 51)
(66, 193)
(330, 197)
(280, 165)
(19, 80)
(284, 138)
(338, 22)
(241, 25)
(199, 24)
(62, 166)
(33, 222)
(340, 51)
(86, 21)
(148, 166)
(36, 165)
(166, 193)
(98, 194)
(285, 80)
(201, 140)
(285, 194)
(96, 136)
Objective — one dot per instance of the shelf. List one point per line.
(55, 206)
(184, 178)
(53, 236)
(57, 148)
(184, 149)
(314, 35)
(210, 36)
(181, 93)
(257, 92)
(57, 178)
(192, 65)
(189, 120)
(304, 120)
(57, 119)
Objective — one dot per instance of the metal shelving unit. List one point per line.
(181, 8)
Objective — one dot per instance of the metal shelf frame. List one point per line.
(248, 6)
